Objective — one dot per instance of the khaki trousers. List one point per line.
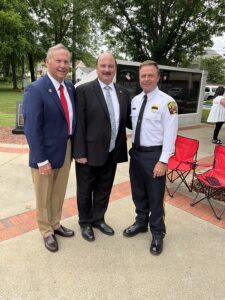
(50, 192)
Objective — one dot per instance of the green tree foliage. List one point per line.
(17, 29)
(64, 21)
(28, 28)
(11, 38)
(166, 31)
(216, 69)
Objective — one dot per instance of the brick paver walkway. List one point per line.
(19, 224)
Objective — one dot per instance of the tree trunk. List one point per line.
(31, 66)
(6, 68)
(14, 79)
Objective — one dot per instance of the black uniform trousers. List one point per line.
(94, 186)
(148, 192)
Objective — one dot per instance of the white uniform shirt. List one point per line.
(159, 124)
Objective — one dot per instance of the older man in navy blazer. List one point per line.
(49, 112)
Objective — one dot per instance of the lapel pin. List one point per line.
(50, 90)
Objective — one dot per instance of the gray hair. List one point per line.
(150, 63)
(57, 47)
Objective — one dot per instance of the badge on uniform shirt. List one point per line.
(154, 107)
(172, 107)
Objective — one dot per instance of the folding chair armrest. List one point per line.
(200, 166)
(191, 162)
(204, 165)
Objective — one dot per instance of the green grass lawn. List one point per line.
(205, 113)
(8, 99)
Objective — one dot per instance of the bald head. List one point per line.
(106, 67)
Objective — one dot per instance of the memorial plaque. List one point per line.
(128, 77)
(19, 119)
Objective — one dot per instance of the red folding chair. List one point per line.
(212, 182)
(182, 163)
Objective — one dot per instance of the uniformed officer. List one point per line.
(155, 123)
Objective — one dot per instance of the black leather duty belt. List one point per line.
(147, 149)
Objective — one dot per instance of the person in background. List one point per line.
(103, 112)
(49, 114)
(154, 130)
(217, 113)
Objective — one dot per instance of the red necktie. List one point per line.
(65, 106)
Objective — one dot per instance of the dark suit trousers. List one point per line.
(147, 192)
(94, 186)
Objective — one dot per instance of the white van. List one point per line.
(210, 91)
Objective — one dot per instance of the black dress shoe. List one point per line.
(87, 233)
(63, 231)
(156, 246)
(134, 229)
(51, 243)
(104, 228)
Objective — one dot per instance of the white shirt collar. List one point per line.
(152, 93)
(55, 82)
(102, 84)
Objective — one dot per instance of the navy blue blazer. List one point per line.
(45, 124)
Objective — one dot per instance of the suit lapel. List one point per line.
(72, 100)
(100, 97)
(50, 89)
(71, 94)
(119, 93)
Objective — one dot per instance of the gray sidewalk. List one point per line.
(191, 266)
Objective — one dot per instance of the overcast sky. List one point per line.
(219, 44)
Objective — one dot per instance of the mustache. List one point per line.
(107, 73)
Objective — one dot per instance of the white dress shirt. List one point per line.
(68, 100)
(160, 121)
(115, 101)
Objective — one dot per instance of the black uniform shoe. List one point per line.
(63, 231)
(134, 229)
(156, 246)
(87, 233)
(51, 243)
(104, 228)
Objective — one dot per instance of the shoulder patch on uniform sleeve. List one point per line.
(172, 106)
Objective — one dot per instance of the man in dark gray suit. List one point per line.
(103, 112)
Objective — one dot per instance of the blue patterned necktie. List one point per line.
(109, 103)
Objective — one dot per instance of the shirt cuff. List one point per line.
(41, 164)
(164, 158)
